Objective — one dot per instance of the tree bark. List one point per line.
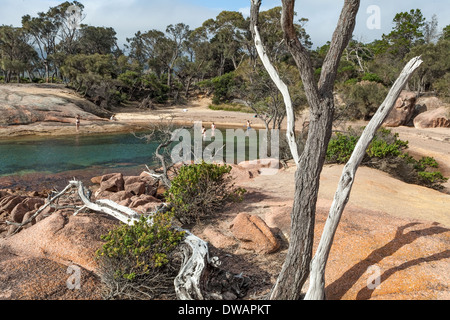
(316, 289)
(295, 270)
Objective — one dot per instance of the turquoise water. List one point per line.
(55, 155)
(36, 163)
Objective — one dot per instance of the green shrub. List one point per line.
(425, 162)
(385, 144)
(231, 107)
(201, 190)
(222, 87)
(341, 147)
(137, 261)
(425, 169)
(431, 178)
(352, 81)
(385, 153)
(362, 99)
(371, 77)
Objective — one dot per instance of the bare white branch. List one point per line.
(316, 289)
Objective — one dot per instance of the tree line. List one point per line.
(218, 58)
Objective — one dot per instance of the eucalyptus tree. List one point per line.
(68, 17)
(176, 35)
(299, 262)
(44, 32)
(436, 65)
(260, 93)
(100, 40)
(445, 35)
(320, 98)
(227, 33)
(51, 34)
(272, 34)
(197, 61)
(160, 52)
(16, 55)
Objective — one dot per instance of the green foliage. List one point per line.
(202, 190)
(407, 32)
(385, 144)
(140, 86)
(385, 152)
(445, 33)
(425, 169)
(221, 86)
(341, 147)
(431, 178)
(425, 162)
(96, 40)
(371, 77)
(434, 69)
(346, 71)
(135, 258)
(442, 87)
(231, 107)
(362, 99)
(147, 243)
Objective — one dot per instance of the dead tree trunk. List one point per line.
(295, 270)
(316, 289)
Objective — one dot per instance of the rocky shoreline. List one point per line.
(402, 229)
(411, 252)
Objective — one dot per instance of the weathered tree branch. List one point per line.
(296, 267)
(188, 282)
(340, 40)
(197, 262)
(316, 289)
(255, 4)
(300, 54)
(191, 274)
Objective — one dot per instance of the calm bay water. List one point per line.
(55, 155)
(45, 163)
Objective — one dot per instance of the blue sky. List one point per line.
(129, 16)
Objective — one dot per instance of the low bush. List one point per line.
(231, 107)
(426, 170)
(386, 153)
(361, 99)
(140, 261)
(222, 87)
(371, 77)
(201, 190)
(341, 147)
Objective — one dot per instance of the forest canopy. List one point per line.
(217, 58)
